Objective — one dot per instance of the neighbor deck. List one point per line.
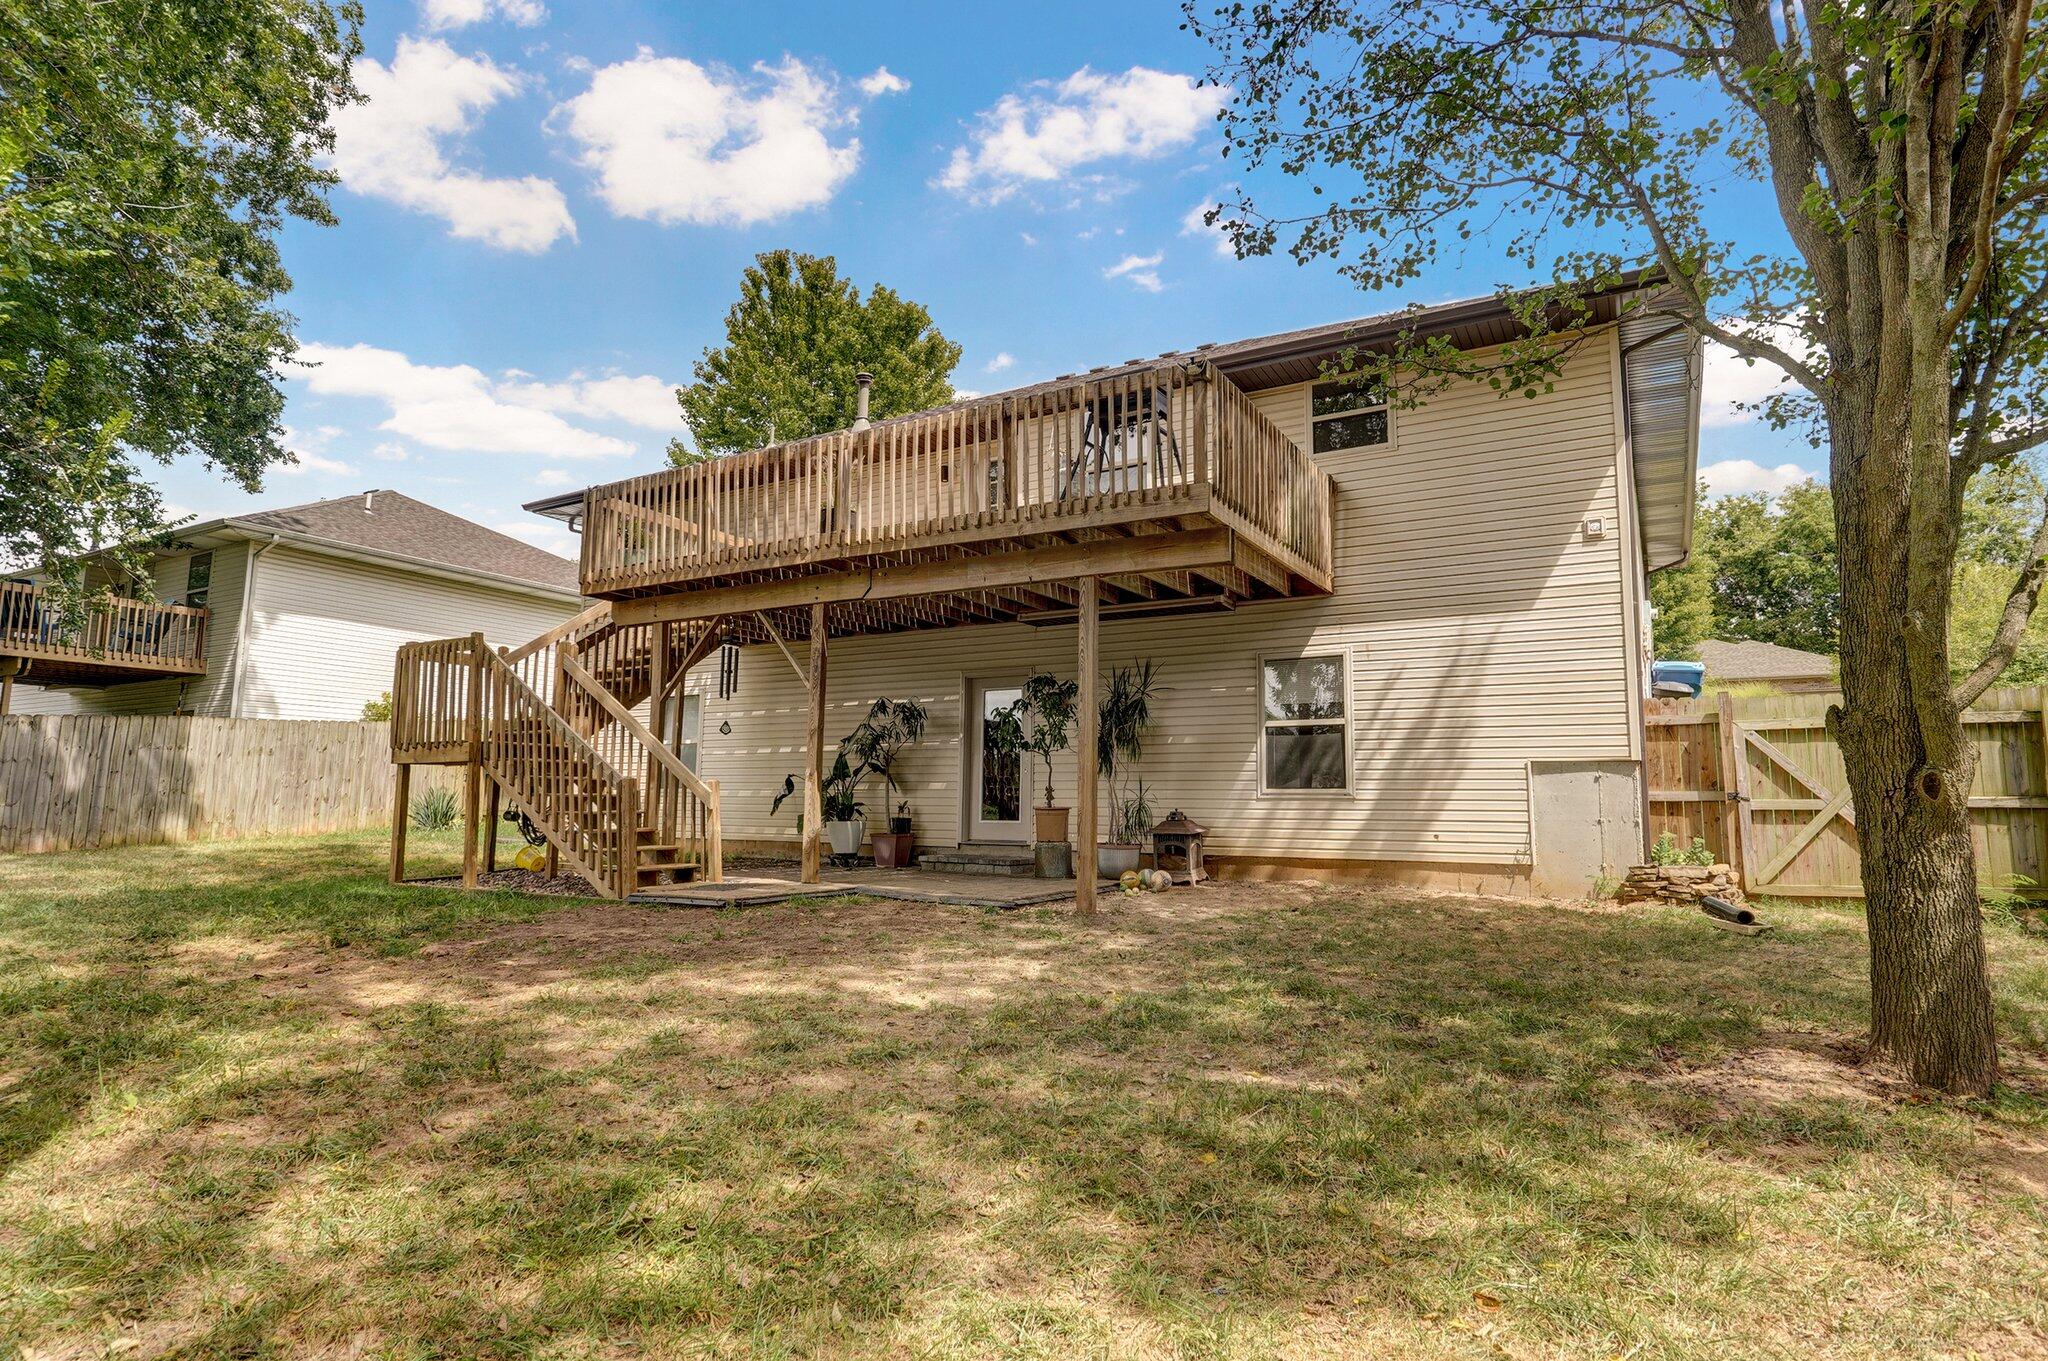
(120, 640)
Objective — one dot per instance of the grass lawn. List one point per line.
(254, 1102)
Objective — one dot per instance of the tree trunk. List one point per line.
(1930, 997)
(1909, 771)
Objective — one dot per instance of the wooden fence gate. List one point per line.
(1761, 781)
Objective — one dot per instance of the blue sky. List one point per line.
(545, 207)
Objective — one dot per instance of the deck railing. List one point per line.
(119, 632)
(1125, 447)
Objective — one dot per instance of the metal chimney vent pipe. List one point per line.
(862, 381)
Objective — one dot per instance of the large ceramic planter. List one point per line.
(894, 850)
(845, 837)
(1111, 859)
(1048, 825)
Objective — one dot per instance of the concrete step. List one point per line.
(978, 858)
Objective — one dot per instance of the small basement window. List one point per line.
(1305, 742)
(1349, 414)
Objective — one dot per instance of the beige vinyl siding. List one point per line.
(208, 694)
(1484, 630)
(323, 631)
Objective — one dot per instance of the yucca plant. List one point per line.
(434, 810)
(1122, 720)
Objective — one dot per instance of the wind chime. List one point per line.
(728, 665)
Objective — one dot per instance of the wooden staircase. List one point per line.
(570, 731)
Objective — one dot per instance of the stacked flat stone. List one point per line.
(1684, 885)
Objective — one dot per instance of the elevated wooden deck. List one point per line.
(121, 642)
(1164, 484)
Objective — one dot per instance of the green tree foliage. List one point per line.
(1682, 606)
(793, 343)
(1764, 567)
(1774, 567)
(149, 152)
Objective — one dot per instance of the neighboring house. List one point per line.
(1393, 641)
(292, 613)
(1746, 662)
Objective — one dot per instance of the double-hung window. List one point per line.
(1348, 414)
(1305, 737)
(198, 579)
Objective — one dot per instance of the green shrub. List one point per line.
(433, 810)
(1664, 851)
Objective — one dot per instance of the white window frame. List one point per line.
(1308, 402)
(1266, 788)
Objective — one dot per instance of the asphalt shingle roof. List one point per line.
(1749, 660)
(390, 522)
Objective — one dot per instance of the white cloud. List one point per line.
(390, 451)
(1001, 362)
(556, 477)
(674, 143)
(645, 400)
(882, 81)
(1729, 381)
(393, 147)
(1045, 134)
(1140, 270)
(1028, 238)
(310, 462)
(446, 406)
(441, 15)
(1192, 224)
(1732, 476)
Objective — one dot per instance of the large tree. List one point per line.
(149, 152)
(1899, 148)
(793, 343)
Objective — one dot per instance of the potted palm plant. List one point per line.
(891, 725)
(1122, 720)
(1048, 707)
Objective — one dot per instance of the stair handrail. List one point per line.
(499, 672)
(705, 792)
(574, 623)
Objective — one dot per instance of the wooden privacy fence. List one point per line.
(1761, 781)
(82, 780)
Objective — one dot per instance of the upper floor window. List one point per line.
(198, 578)
(1348, 414)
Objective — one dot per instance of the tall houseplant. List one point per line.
(1047, 709)
(1123, 718)
(891, 725)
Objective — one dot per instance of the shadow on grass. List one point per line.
(1223, 1124)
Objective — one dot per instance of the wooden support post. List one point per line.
(473, 769)
(492, 794)
(629, 837)
(401, 818)
(8, 666)
(1086, 719)
(472, 794)
(714, 836)
(814, 753)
